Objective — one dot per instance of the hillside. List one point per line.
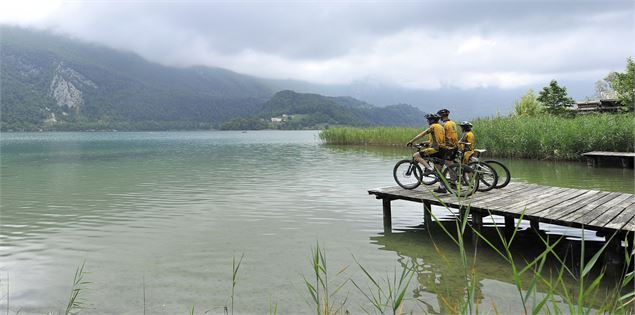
(55, 79)
(312, 110)
(51, 82)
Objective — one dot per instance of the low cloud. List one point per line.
(427, 45)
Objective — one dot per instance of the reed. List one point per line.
(75, 301)
(577, 301)
(542, 137)
(389, 296)
(324, 292)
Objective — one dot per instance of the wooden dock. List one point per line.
(594, 158)
(605, 212)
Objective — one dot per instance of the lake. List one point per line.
(157, 218)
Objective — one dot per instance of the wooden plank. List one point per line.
(607, 208)
(568, 195)
(524, 203)
(612, 208)
(519, 199)
(630, 226)
(570, 205)
(610, 154)
(485, 204)
(624, 220)
(544, 202)
(589, 206)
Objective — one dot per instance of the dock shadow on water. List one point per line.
(546, 272)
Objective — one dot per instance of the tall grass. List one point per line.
(552, 137)
(368, 136)
(543, 137)
(324, 291)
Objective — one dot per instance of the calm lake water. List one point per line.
(159, 216)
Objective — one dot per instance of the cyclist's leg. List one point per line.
(425, 152)
(466, 156)
(440, 155)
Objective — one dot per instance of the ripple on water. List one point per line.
(175, 208)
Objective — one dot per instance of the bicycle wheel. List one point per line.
(460, 180)
(429, 177)
(486, 175)
(407, 174)
(504, 176)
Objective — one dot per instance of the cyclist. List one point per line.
(451, 136)
(467, 137)
(437, 145)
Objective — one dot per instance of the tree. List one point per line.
(604, 89)
(622, 83)
(528, 105)
(555, 99)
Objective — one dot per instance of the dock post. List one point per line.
(477, 221)
(477, 225)
(592, 161)
(509, 227)
(387, 215)
(612, 256)
(427, 214)
(534, 225)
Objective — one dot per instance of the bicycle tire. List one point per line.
(463, 187)
(488, 178)
(404, 172)
(502, 180)
(429, 178)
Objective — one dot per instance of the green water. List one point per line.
(162, 214)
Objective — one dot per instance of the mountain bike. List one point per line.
(488, 177)
(504, 175)
(458, 179)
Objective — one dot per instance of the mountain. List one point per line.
(310, 110)
(55, 82)
(49, 78)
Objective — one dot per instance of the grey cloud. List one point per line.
(328, 29)
(353, 40)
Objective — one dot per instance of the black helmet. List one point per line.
(444, 111)
(433, 117)
(466, 124)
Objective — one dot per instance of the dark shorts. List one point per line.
(438, 154)
(450, 154)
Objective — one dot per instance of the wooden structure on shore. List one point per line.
(605, 212)
(598, 106)
(593, 158)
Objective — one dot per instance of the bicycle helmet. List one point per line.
(433, 117)
(466, 124)
(444, 111)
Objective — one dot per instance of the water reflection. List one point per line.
(441, 283)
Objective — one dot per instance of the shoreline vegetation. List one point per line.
(537, 137)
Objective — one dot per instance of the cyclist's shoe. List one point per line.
(440, 190)
(428, 171)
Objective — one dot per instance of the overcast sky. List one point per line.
(413, 44)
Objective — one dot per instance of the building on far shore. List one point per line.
(595, 106)
(607, 103)
(283, 118)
